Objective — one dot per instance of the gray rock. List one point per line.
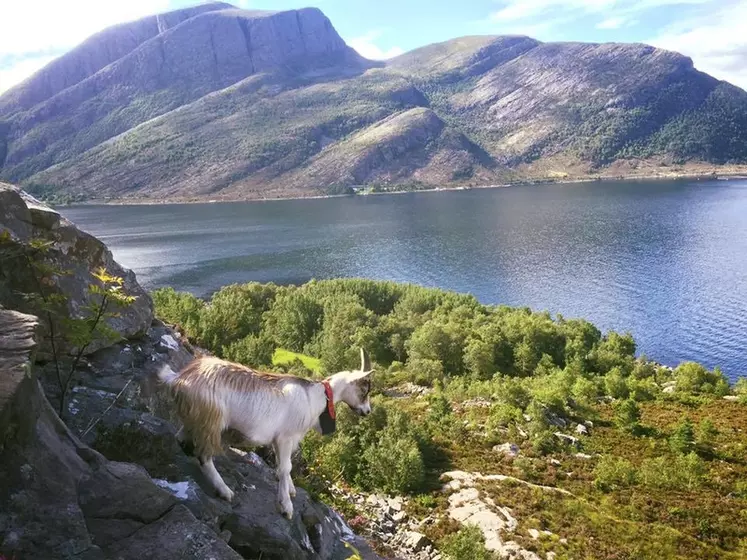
(73, 251)
(176, 535)
(508, 449)
(567, 438)
(582, 430)
(414, 541)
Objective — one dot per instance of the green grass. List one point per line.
(283, 357)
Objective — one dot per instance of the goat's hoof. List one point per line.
(227, 494)
(285, 511)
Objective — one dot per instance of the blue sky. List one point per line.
(712, 32)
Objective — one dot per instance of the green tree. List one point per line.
(693, 378)
(705, 435)
(682, 439)
(294, 319)
(628, 416)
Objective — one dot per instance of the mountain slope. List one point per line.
(226, 103)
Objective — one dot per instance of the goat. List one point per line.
(213, 395)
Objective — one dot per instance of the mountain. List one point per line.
(221, 103)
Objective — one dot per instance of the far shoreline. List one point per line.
(672, 177)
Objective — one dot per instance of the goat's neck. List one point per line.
(338, 385)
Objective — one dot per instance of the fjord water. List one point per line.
(666, 261)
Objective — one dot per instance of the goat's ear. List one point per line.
(365, 361)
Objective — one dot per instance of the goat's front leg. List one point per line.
(209, 470)
(284, 449)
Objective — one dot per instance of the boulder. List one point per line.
(25, 221)
(414, 540)
(508, 449)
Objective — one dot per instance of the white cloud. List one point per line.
(515, 10)
(366, 46)
(716, 41)
(18, 72)
(43, 26)
(612, 23)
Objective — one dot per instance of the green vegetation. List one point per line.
(660, 474)
(466, 544)
(66, 329)
(282, 357)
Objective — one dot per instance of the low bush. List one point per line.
(466, 544)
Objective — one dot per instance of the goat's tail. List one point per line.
(167, 375)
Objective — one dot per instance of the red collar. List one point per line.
(330, 399)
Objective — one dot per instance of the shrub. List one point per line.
(544, 442)
(439, 407)
(336, 459)
(615, 384)
(613, 473)
(179, 308)
(252, 351)
(706, 434)
(424, 371)
(681, 472)
(740, 388)
(695, 379)
(585, 391)
(628, 416)
(466, 544)
(642, 389)
(394, 465)
(512, 392)
(502, 415)
(682, 439)
(294, 319)
(233, 313)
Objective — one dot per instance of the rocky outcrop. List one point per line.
(112, 482)
(61, 499)
(69, 259)
(469, 506)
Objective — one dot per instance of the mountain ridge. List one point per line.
(230, 104)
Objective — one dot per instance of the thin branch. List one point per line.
(79, 355)
(52, 336)
(93, 423)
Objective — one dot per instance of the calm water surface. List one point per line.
(666, 261)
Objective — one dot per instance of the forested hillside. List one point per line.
(592, 451)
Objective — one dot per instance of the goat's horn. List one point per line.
(365, 360)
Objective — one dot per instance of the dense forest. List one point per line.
(663, 470)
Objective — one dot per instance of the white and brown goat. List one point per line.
(213, 395)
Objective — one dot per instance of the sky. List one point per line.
(712, 32)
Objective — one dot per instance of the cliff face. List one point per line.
(225, 103)
(130, 74)
(92, 55)
(110, 481)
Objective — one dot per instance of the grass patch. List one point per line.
(283, 357)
